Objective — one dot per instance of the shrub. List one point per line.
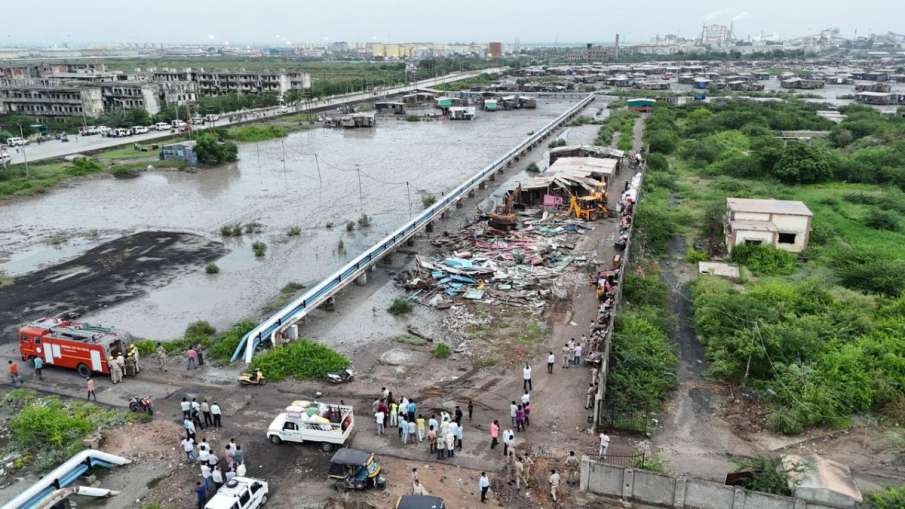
(145, 347)
(644, 362)
(294, 231)
(888, 498)
(341, 246)
(657, 162)
(123, 172)
(364, 221)
(870, 272)
(764, 260)
(231, 230)
(224, 347)
(211, 151)
(400, 307)
(256, 132)
(200, 329)
(428, 200)
(882, 220)
(694, 256)
(442, 351)
(769, 476)
(350, 226)
(559, 142)
(302, 360)
(212, 268)
(646, 290)
(802, 163)
(532, 168)
(259, 248)
(655, 226)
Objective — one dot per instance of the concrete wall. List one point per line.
(680, 492)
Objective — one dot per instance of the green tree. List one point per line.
(803, 163)
(212, 151)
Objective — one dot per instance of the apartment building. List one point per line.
(221, 82)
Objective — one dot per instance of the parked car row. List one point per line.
(120, 132)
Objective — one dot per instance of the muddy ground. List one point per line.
(104, 276)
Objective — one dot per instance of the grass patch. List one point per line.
(259, 248)
(6, 280)
(293, 231)
(408, 339)
(532, 168)
(364, 221)
(428, 200)
(212, 268)
(442, 351)
(400, 306)
(287, 293)
(231, 230)
(256, 132)
(533, 333)
(300, 360)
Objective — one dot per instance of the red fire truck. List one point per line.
(69, 344)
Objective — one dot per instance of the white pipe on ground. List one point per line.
(60, 472)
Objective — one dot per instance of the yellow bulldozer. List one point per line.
(588, 207)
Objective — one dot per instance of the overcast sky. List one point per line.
(278, 21)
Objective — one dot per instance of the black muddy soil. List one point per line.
(106, 275)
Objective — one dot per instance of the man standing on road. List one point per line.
(513, 409)
(494, 434)
(565, 356)
(215, 412)
(14, 373)
(551, 359)
(91, 385)
(162, 357)
(484, 484)
(217, 477)
(604, 445)
(508, 441)
(201, 493)
(39, 366)
(554, 484)
(188, 446)
(378, 417)
(571, 467)
(206, 411)
(526, 378)
(589, 396)
(578, 355)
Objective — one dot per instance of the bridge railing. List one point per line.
(299, 308)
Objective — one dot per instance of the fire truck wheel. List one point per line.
(83, 370)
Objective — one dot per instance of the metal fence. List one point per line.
(634, 460)
(638, 422)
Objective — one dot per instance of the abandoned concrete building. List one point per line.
(778, 223)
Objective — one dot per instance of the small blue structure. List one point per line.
(184, 151)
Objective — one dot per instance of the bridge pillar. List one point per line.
(482, 185)
(458, 204)
(471, 193)
(443, 215)
(362, 279)
(509, 163)
(387, 259)
(429, 227)
(330, 304)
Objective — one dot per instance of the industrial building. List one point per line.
(778, 223)
(494, 50)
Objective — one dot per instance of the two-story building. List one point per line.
(779, 223)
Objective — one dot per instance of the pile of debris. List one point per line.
(482, 263)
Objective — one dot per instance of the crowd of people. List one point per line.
(215, 471)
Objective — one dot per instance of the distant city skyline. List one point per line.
(285, 23)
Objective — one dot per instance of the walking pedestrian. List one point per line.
(196, 414)
(470, 409)
(578, 349)
(191, 357)
(527, 408)
(458, 415)
(217, 477)
(161, 357)
(494, 433)
(526, 377)
(378, 417)
(526, 398)
(604, 445)
(431, 440)
(14, 376)
(420, 423)
(571, 467)
(413, 431)
(188, 447)
(215, 412)
(554, 484)
(204, 452)
(513, 409)
(206, 478)
(206, 412)
(91, 385)
(238, 455)
(412, 408)
(394, 413)
(403, 429)
(460, 434)
(212, 459)
(39, 367)
(520, 419)
(520, 473)
(201, 492)
(186, 407)
(199, 354)
(484, 484)
(450, 444)
(189, 427)
(551, 360)
(565, 356)
(589, 396)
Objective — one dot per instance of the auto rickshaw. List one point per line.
(419, 502)
(354, 469)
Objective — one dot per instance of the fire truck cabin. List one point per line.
(67, 344)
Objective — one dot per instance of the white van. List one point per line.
(240, 493)
(178, 123)
(311, 421)
(162, 126)
(139, 129)
(16, 141)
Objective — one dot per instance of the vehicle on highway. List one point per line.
(211, 117)
(119, 132)
(89, 130)
(66, 343)
(162, 126)
(312, 421)
(240, 493)
(177, 124)
(16, 141)
(139, 129)
(103, 130)
(197, 120)
(354, 469)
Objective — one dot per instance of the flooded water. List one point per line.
(308, 180)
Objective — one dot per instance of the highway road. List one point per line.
(79, 144)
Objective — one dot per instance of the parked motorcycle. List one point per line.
(252, 378)
(345, 376)
(137, 404)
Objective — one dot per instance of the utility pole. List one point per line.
(361, 197)
(408, 191)
(24, 155)
(283, 145)
(317, 165)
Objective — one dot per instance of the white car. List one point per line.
(16, 141)
(178, 123)
(4, 158)
(162, 126)
(240, 493)
(139, 129)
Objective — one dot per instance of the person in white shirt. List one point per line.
(551, 360)
(508, 441)
(217, 477)
(204, 454)
(565, 356)
(186, 407)
(513, 409)
(188, 446)
(554, 484)
(604, 445)
(526, 397)
(578, 356)
(484, 484)
(215, 411)
(526, 377)
(378, 417)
